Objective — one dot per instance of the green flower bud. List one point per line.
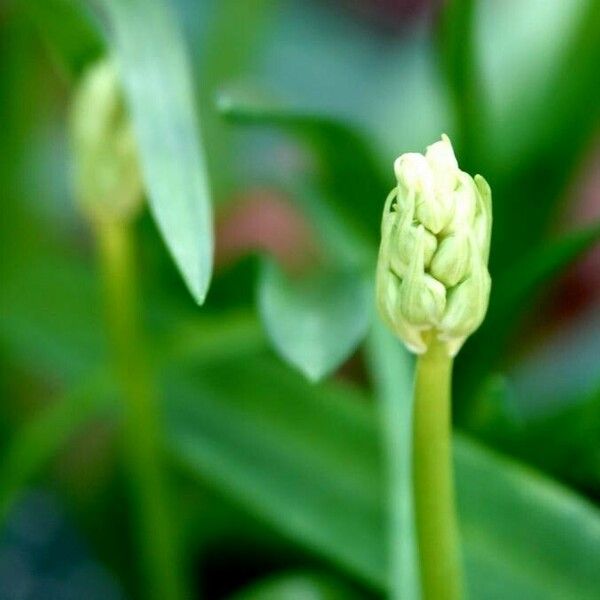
(432, 277)
(107, 179)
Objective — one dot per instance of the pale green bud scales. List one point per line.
(432, 276)
(107, 178)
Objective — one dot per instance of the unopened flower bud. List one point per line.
(108, 183)
(432, 277)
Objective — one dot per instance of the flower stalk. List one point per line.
(108, 188)
(157, 540)
(433, 487)
(432, 290)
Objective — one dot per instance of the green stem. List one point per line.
(437, 531)
(157, 544)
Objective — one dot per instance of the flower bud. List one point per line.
(108, 183)
(432, 277)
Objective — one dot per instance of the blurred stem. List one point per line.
(437, 530)
(157, 542)
(391, 367)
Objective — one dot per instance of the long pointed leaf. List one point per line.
(307, 460)
(154, 65)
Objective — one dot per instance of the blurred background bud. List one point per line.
(108, 183)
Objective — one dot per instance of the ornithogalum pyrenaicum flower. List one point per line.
(108, 183)
(432, 278)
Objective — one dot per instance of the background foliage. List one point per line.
(282, 118)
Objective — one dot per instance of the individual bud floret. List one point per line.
(467, 304)
(451, 262)
(422, 298)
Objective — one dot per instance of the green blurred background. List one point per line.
(303, 105)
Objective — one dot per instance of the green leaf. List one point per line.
(306, 459)
(544, 108)
(513, 293)
(69, 30)
(47, 327)
(563, 443)
(462, 72)
(315, 321)
(348, 168)
(294, 454)
(562, 370)
(297, 586)
(154, 65)
(547, 113)
(516, 287)
(226, 53)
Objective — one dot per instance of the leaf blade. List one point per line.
(158, 89)
(316, 322)
(512, 295)
(349, 171)
(315, 473)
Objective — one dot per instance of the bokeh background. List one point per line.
(513, 82)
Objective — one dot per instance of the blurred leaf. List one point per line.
(158, 87)
(349, 170)
(294, 454)
(51, 317)
(69, 30)
(306, 459)
(544, 83)
(515, 287)
(392, 368)
(227, 53)
(33, 446)
(329, 301)
(51, 323)
(462, 70)
(315, 321)
(562, 369)
(513, 294)
(564, 442)
(549, 118)
(297, 586)
(571, 101)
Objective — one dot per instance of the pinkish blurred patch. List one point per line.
(263, 220)
(389, 15)
(579, 289)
